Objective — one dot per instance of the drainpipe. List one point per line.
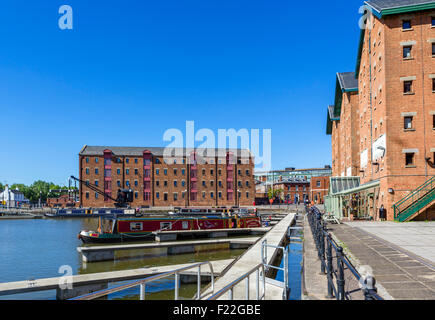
(423, 83)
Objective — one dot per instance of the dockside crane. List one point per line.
(123, 198)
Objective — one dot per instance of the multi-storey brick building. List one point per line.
(319, 188)
(342, 124)
(185, 178)
(393, 124)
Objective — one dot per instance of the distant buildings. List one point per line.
(297, 185)
(382, 122)
(12, 198)
(63, 201)
(185, 178)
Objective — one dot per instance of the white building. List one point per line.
(12, 198)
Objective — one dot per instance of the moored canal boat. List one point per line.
(141, 229)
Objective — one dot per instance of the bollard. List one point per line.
(369, 287)
(329, 267)
(340, 278)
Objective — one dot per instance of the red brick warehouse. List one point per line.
(383, 121)
(191, 178)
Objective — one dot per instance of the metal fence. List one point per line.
(230, 287)
(142, 284)
(325, 247)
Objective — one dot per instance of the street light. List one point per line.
(185, 196)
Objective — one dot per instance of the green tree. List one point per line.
(274, 193)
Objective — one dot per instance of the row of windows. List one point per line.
(96, 195)
(175, 196)
(408, 86)
(175, 182)
(407, 24)
(159, 161)
(108, 172)
(410, 159)
(408, 122)
(193, 196)
(407, 51)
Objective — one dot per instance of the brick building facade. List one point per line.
(391, 118)
(319, 188)
(185, 178)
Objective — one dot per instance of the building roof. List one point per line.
(386, 7)
(329, 118)
(347, 81)
(158, 151)
(339, 184)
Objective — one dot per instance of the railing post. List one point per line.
(264, 283)
(177, 283)
(230, 294)
(258, 284)
(329, 267)
(286, 280)
(264, 251)
(322, 249)
(340, 279)
(142, 291)
(199, 283)
(247, 288)
(369, 285)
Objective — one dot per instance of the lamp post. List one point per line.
(185, 196)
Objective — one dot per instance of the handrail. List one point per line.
(285, 251)
(230, 287)
(415, 206)
(142, 283)
(414, 196)
(413, 193)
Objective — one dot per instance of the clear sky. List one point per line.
(129, 70)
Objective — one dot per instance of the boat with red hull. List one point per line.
(141, 229)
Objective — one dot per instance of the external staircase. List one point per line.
(413, 204)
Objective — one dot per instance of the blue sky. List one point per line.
(129, 70)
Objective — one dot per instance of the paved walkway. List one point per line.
(415, 237)
(402, 274)
(314, 283)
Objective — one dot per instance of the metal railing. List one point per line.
(325, 244)
(142, 284)
(406, 207)
(230, 287)
(284, 269)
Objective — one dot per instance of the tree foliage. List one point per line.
(274, 193)
(38, 189)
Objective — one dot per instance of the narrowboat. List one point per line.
(141, 229)
(90, 213)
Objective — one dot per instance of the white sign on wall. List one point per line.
(364, 158)
(379, 147)
(349, 172)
